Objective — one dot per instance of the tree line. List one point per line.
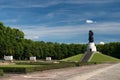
(111, 49)
(12, 42)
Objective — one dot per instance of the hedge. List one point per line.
(29, 67)
(87, 63)
(1, 72)
(57, 66)
(38, 66)
(34, 63)
(16, 69)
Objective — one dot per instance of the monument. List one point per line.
(90, 49)
(91, 44)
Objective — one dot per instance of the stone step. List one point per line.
(86, 57)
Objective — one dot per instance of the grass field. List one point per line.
(98, 57)
(14, 65)
(75, 58)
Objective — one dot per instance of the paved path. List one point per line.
(110, 73)
(107, 73)
(92, 72)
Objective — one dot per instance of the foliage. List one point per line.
(111, 49)
(12, 42)
(18, 68)
(87, 63)
(31, 67)
(35, 63)
(1, 72)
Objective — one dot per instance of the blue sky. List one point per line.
(63, 21)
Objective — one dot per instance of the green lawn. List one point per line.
(75, 58)
(98, 57)
(18, 66)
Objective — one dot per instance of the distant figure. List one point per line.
(91, 39)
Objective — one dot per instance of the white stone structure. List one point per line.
(48, 59)
(92, 47)
(8, 58)
(33, 58)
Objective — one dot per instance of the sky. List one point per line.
(63, 21)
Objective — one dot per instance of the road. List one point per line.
(92, 72)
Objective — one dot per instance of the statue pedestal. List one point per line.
(91, 47)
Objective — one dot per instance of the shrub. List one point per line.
(87, 63)
(1, 72)
(36, 66)
(17, 68)
(34, 63)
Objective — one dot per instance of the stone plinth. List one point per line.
(91, 47)
(8, 58)
(33, 58)
(48, 58)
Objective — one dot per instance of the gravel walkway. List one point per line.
(106, 73)
(110, 73)
(93, 72)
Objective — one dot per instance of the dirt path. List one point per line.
(74, 73)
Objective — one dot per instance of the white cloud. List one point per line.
(90, 21)
(61, 32)
(102, 43)
(64, 32)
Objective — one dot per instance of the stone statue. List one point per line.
(91, 39)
